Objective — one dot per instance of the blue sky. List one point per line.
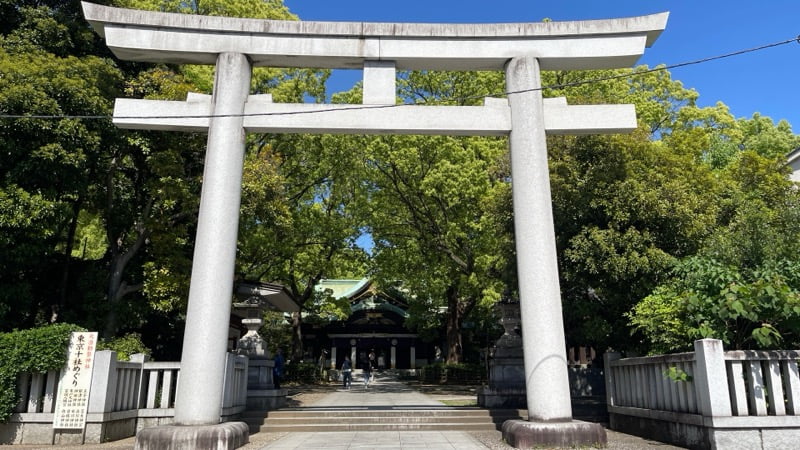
(767, 81)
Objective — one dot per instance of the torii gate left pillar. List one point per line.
(234, 45)
(215, 245)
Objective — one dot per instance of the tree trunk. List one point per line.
(64, 284)
(120, 257)
(297, 318)
(114, 285)
(454, 319)
(117, 287)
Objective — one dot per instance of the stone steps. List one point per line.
(395, 419)
(315, 428)
(393, 412)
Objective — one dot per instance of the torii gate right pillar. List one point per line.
(546, 379)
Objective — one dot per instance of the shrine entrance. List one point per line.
(236, 45)
(376, 323)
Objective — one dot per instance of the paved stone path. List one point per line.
(405, 440)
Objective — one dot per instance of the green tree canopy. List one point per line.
(48, 165)
(743, 285)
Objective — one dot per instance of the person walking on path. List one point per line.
(347, 370)
(366, 367)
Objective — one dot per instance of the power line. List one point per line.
(663, 68)
(363, 107)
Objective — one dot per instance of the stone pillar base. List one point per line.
(224, 436)
(525, 434)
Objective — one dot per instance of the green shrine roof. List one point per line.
(343, 288)
(354, 291)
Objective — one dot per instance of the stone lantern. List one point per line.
(257, 297)
(251, 344)
(506, 387)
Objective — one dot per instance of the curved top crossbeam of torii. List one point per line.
(185, 38)
(380, 49)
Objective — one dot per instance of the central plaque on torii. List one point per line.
(237, 45)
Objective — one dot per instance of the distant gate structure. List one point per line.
(236, 45)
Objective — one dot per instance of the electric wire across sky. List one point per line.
(363, 107)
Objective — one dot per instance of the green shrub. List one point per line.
(447, 373)
(746, 308)
(125, 346)
(432, 373)
(302, 372)
(36, 350)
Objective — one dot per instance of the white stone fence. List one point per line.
(125, 396)
(709, 398)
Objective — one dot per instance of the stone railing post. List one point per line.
(711, 378)
(229, 381)
(608, 358)
(104, 382)
(235, 384)
(140, 358)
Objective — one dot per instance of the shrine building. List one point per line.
(376, 322)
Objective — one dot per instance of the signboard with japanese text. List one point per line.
(73, 389)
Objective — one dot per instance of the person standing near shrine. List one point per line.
(366, 368)
(347, 370)
(277, 369)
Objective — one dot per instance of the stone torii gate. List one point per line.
(236, 45)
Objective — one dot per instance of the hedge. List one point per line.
(36, 350)
(444, 373)
(302, 373)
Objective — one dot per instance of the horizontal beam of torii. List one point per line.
(235, 46)
(261, 115)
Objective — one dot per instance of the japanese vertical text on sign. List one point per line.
(73, 389)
